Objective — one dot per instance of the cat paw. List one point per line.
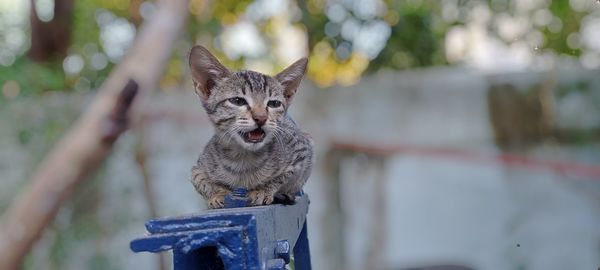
(260, 197)
(216, 201)
(282, 198)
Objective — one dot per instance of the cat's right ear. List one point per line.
(206, 70)
(290, 78)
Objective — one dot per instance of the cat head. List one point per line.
(245, 107)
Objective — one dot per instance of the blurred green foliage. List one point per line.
(35, 78)
(414, 41)
(416, 37)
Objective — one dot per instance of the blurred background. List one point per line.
(455, 132)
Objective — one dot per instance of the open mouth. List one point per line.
(254, 136)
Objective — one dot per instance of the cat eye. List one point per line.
(274, 103)
(238, 101)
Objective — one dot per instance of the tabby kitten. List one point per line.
(256, 144)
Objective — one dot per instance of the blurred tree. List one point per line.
(344, 38)
(134, 12)
(414, 42)
(51, 39)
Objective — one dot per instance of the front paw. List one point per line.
(286, 199)
(260, 197)
(216, 201)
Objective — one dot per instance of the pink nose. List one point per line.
(260, 119)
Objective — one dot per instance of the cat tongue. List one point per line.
(256, 135)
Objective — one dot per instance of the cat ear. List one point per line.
(206, 70)
(290, 78)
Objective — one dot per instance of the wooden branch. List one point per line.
(141, 158)
(90, 140)
(118, 118)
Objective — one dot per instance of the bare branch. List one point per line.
(90, 140)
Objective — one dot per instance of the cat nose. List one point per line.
(260, 119)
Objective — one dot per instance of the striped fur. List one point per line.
(276, 167)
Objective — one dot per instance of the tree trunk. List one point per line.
(51, 39)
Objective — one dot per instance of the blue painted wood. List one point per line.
(302, 251)
(258, 237)
(238, 198)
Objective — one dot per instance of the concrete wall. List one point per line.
(411, 206)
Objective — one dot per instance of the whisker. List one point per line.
(285, 131)
(276, 137)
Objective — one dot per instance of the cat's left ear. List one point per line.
(291, 77)
(206, 71)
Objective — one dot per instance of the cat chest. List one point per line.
(250, 175)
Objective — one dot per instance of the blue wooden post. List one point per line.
(238, 198)
(302, 251)
(254, 238)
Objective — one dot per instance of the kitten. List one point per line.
(256, 144)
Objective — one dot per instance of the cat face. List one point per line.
(246, 107)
